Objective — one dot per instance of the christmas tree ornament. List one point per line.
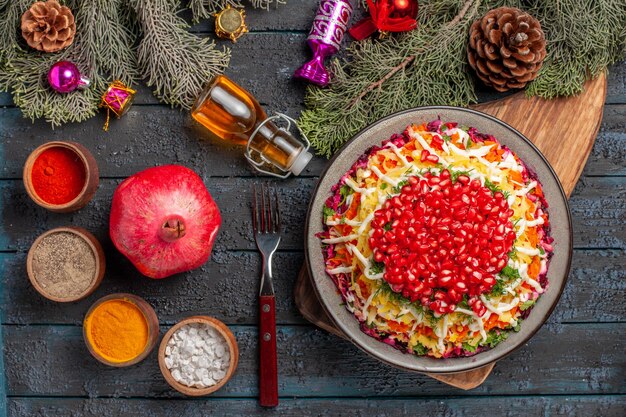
(506, 48)
(232, 114)
(230, 23)
(327, 32)
(48, 26)
(117, 99)
(387, 16)
(64, 77)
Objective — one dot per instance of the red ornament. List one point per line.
(387, 16)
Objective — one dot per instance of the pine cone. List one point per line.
(48, 26)
(506, 48)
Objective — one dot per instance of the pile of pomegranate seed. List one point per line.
(440, 240)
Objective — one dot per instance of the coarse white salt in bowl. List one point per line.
(198, 355)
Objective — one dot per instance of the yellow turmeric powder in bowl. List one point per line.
(120, 329)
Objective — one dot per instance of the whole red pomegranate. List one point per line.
(164, 220)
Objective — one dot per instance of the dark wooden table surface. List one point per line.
(575, 365)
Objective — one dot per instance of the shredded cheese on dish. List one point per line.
(385, 314)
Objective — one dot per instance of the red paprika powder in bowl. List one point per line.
(61, 176)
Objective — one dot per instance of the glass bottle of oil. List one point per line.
(232, 114)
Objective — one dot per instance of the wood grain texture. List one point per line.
(564, 359)
(329, 376)
(149, 136)
(595, 291)
(577, 119)
(312, 310)
(517, 406)
(564, 129)
(598, 206)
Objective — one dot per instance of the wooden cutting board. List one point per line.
(578, 121)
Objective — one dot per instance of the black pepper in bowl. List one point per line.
(65, 264)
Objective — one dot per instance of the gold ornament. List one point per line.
(230, 23)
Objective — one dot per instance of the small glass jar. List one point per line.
(232, 114)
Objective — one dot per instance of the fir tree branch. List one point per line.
(583, 39)
(437, 75)
(102, 43)
(204, 9)
(429, 65)
(410, 58)
(174, 61)
(10, 14)
(380, 82)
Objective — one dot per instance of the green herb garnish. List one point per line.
(510, 273)
(327, 211)
(463, 304)
(397, 298)
(377, 267)
(494, 338)
(454, 175)
(507, 275)
(469, 348)
(526, 305)
(420, 349)
(492, 187)
(498, 289)
(398, 187)
(345, 191)
(434, 321)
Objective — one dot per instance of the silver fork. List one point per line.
(266, 227)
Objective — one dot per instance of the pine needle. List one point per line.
(105, 48)
(584, 38)
(428, 66)
(174, 61)
(424, 67)
(24, 70)
(204, 9)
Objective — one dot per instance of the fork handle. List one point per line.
(268, 372)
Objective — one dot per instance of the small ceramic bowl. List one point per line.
(97, 252)
(151, 320)
(232, 346)
(91, 177)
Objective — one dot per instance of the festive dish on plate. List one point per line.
(438, 240)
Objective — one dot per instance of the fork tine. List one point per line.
(255, 214)
(268, 210)
(276, 212)
(261, 209)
